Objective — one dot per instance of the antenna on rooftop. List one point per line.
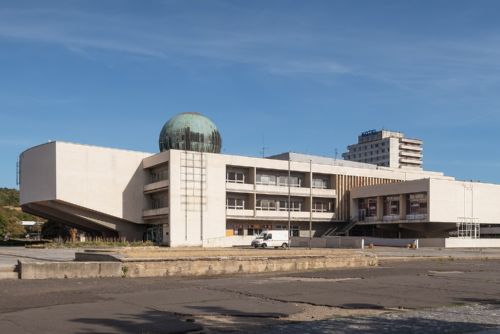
(264, 147)
(336, 153)
(263, 151)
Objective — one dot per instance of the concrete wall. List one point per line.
(101, 179)
(329, 242)
(431, 242)
(45, 270)
(245, 265)
(198, 204)
(192, 267)
(235, 240)
(390, 242)
(471, 243)
(38, 174)
(414, 186)
(450, 200)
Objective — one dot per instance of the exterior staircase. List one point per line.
(340, 229)
(9, 272)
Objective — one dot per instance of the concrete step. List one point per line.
(8, 269)
(9, 275)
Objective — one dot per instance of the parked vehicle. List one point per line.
(272, 238)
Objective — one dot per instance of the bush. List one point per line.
(11, 226)
(99, 243)
(9, 197)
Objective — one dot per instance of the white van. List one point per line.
(272, 238)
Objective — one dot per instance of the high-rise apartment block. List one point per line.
(386, 148)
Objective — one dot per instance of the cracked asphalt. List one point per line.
(432, 296)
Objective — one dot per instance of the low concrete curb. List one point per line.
(42, 270)
(241, 265)
(196, 266)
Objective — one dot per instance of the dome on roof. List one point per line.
(190, 131)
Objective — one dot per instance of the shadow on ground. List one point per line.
(151, 322)
(220, 320)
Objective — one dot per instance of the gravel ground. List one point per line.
(472, 318)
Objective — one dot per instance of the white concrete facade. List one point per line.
(187, 198)
(60, 176)
(447, 203)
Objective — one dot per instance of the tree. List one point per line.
(9, 197)
(11, 226)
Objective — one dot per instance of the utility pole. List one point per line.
(289, 200)
(310, 202)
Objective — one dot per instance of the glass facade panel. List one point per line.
(367, 208)
(391, 206)
(416, 204)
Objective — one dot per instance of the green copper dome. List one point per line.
(190, 131)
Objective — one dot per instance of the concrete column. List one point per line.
(252, 176)
(307, 180)
(254, 200)
(380, 208)
(402, 206)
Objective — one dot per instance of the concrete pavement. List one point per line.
(443, 296)
(10, 255)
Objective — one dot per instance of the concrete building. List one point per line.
(182, 197)
(386, 148)
(425, 208)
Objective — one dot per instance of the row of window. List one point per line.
(278, 205)
(368, 146)
(360, 155)
(416, 205)
(280, 180)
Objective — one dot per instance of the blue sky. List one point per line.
(306, 76)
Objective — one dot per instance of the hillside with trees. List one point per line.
(9, 197)
(11, 214)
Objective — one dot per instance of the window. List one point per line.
(391, 206)
(158, 175)
(320, 183)
(254, 230)
(266, 179)
(295, 181)
(294, 205)
(235, 177)
(159, 201)
(266, 205)
(238, 230)
(416, 204)
(322, 206)
(367, 208)
(294, 231)
(235, 203)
